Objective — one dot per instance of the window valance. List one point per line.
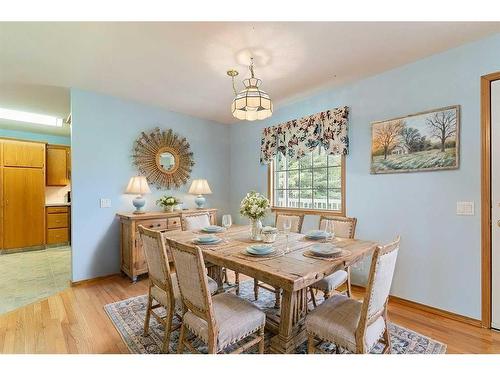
(297, 137)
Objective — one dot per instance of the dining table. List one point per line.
(292, 267)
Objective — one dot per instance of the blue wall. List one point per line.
(439, 262)
(104, 130)
(29, 136)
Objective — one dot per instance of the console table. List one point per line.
(133, 262)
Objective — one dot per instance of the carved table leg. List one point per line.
(291, 329)
(216, 273)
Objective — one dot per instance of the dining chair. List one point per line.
(219, 321)
(197, 221)
(344, 227)
(163, 286)
(296, 227)
(354, 325)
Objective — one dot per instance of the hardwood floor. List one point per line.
(74, 321)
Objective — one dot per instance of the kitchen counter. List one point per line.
(57, 204)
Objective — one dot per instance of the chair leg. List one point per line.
(261, 342)
(148, 313)
(313, 297)
(387, 338)
(237, 282)
(180, 345)
(277, 298)
(168, 331)
(256, 289)
(349, 291)
(310, 344)
(327, 294)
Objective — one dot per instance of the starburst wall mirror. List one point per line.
(164, 157)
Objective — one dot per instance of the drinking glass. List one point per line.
(287, 225)
(329, 229)
(227, 221)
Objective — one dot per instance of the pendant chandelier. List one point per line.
(251, 103)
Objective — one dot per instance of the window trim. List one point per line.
(310, 211)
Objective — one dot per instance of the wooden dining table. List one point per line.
(291, 268)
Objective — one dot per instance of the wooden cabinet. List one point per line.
(58, 224)
(133, 262)
(23, 207)
(58, 165)
(23, 154)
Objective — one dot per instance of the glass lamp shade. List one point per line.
(138, 185)
(252, 103)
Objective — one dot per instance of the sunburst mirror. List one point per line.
(164, 158)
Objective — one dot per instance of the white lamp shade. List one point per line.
(138, 185)
(200, 187)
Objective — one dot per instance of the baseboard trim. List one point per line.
(429, 309)
(94, 279)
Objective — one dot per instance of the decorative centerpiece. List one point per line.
(168, 202)
(255, 207)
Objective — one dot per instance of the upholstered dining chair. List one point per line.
(163, 286)
(344, 227)
(197, 221)
(354, 325)
(296, 220)
(218, 321)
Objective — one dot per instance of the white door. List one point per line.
(495, 199)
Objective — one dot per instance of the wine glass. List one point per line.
(227, 221)
(329, 229)
(287, 225)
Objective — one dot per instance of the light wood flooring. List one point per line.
(74, 321)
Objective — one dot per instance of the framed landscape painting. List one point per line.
(427, 141)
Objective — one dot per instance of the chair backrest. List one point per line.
(379, 285)
(192, 279)
(155, 252)
(195, 221)
(296, 219)
(342, 226)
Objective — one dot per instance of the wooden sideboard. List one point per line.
(133, 262)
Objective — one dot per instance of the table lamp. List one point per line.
(199, 187)
(138, 185)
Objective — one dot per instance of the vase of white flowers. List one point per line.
(168, 203)
(255, 207)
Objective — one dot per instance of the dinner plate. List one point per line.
(197, 241)
(261, 247)
(326, 250)
(212, 229)
(259, 253)
(317, 235)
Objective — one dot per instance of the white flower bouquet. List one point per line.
(254, 206)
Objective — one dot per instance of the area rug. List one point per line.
(128, 318)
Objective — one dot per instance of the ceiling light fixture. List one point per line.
(33, 118)
(251, 103)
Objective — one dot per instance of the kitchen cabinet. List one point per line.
(58, 165)
(58, 224)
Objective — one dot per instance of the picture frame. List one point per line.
(420, 142)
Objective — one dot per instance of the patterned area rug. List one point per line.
(128, 318)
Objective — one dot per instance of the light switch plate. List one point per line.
(105, 202)
(465, 208)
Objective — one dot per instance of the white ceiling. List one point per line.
(182, 66)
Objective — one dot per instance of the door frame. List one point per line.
(486, 222)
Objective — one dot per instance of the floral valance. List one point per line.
(295, 138)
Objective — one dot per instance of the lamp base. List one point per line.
(200, 201)
(139, 202)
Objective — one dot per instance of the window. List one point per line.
(315, 182)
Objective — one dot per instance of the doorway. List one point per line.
(490, 200)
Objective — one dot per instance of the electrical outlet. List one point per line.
(105, 202)
(465, 208)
